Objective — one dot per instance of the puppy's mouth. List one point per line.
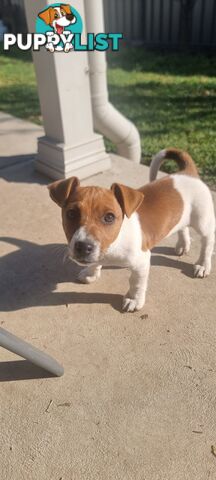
(59, 29)
(82, 262)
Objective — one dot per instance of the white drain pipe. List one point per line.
(107, 120)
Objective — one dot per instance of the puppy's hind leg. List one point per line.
(203, 266)
(184, 242)
(203, 221)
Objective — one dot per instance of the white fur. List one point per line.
(198, 213)
(155, 164)
(81, 235)
(123, 251)
(126, 250)
(90, 274)
(184, 242)
(64, 22)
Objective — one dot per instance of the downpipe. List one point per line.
(107, 119)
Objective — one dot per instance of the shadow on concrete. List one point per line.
(11, 160)
(21, 370)
(30, 275)
(161, 261)
(21, 169)
(158, 259)
(164, 251)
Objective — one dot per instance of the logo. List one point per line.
(59, 22)
(59, 28)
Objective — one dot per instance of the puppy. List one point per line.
(120, 226)
(58, 18)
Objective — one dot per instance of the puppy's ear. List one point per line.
(66, 8)
(45, 16)
(62, 189)
(128, 198)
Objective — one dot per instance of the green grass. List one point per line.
(170, 97)
(18, 91)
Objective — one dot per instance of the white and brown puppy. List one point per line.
(58, 18)
(120, 226)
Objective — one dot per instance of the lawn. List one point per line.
(170, 97)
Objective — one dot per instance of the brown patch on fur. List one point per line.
(158, 204)
(160, 211)
(66, 9)
(184, 161)
(90, 204)
(128, 198)
(45, 16)
(61, 189)
(48, 16)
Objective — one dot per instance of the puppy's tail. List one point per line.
(183, 159)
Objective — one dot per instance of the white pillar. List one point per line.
(70, 146)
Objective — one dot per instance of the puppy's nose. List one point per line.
(83, 248)
(70, 16)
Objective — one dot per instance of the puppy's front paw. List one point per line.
(89, 275)
(68, 47)
(132, 304)
(86, 278)
(50, 47)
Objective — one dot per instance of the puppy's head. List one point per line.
(92, 216)
(58, 17)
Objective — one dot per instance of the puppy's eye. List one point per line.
(63, 13)
(108, 218)
(72, 214)
(56, 15)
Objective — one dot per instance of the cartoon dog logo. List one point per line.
(58, 18)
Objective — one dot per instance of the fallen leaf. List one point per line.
(213, 450)
(48, 406)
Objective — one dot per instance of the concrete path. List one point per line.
(138, 398)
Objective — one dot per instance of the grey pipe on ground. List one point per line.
(27, 351)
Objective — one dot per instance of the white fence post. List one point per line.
(70, 146)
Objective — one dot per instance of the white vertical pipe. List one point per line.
(107, 120)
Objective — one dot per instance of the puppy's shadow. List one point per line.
(159, 258)
(30, 274)
(164, 251)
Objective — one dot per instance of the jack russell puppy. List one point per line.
(58, 18)
(120, 226)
